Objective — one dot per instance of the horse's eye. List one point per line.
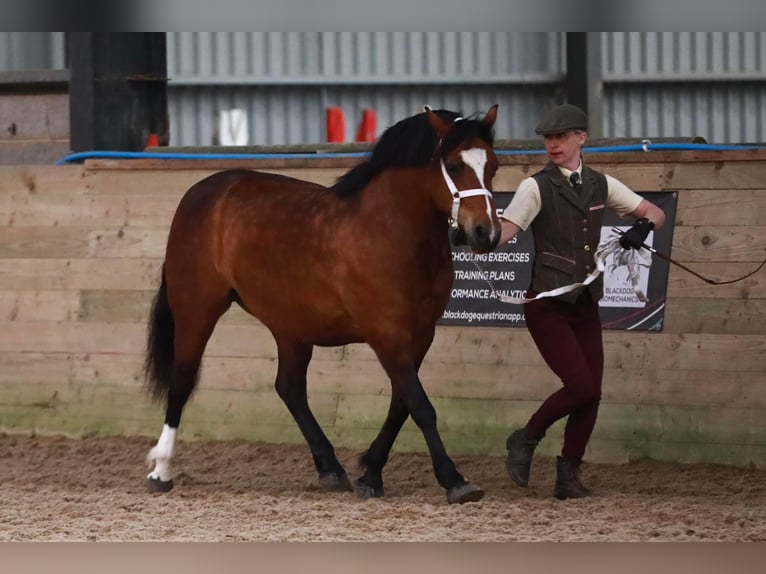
(454, 168)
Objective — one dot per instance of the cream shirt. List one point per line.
(526, 203)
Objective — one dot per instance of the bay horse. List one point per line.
(365, 260)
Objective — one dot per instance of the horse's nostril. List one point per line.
(481, 233)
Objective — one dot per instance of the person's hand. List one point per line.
(634, 237)
(457, 236)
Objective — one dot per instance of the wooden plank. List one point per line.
(675, 387)
(128, 242)
(38, 305)
(34, 368)
(682, 284)
(97, 305)
(731, 207)
(217, 164)
(130, 183)
(627, 350)
(96, 211)
(44, 242)
(610, 451)
(175, 183)
(640, 177)
(509, 177)
(42, 179)
(66, 336)
(476, 426)
(102, 306)
(753, 155)
(108, 369)
(720, 243)
(690, 424)
(80, 422)
(715, 175)
(342, 164)
(112, 407)
(623, 349)
(75, 274)
(458, 381)
(725, 316)
(326, 176)
(629, 424)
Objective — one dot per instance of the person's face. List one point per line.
(564, 149)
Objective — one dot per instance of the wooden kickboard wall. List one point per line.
(80, 251)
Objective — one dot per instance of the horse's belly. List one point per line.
(307, 319)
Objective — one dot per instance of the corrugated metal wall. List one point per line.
(656, 84)
(286, 115)
(665, 84)
(331, 58)
(285, 81)
(32, 51)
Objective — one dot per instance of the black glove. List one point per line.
(634, 237)
(457, 235)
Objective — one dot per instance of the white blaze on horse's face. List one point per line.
(476, 160)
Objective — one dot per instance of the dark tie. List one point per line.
(575, 179)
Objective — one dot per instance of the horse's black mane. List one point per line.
(411, 143)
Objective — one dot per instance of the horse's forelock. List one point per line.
(467, 129)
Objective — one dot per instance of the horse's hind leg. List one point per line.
(291, 386)
(191, 334)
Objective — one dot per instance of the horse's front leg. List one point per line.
(406, 384)
(370, 484)
(423, 413)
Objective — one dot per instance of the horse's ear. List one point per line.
(491, 115)
(437, 123)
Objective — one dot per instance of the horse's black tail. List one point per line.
(160, 353)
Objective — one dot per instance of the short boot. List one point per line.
(520, 452)
(568, 483)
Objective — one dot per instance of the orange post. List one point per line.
(336, 125)
(367, 127)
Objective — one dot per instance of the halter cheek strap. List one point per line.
(457, 195)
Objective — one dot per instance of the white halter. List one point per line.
(457, 195)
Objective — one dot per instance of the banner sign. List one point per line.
(508, 270)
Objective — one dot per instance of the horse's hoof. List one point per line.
(464, 493)
(157, 485)
(335, 482)
(366, 491)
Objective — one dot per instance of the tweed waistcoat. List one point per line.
(567, 231)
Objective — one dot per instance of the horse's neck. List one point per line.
(411, 192)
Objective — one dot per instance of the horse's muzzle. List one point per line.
(482, 239)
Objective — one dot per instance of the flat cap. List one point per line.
(563, 118)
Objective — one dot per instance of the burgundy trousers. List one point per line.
(568, 336)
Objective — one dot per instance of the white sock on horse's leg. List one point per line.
(161, 454)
